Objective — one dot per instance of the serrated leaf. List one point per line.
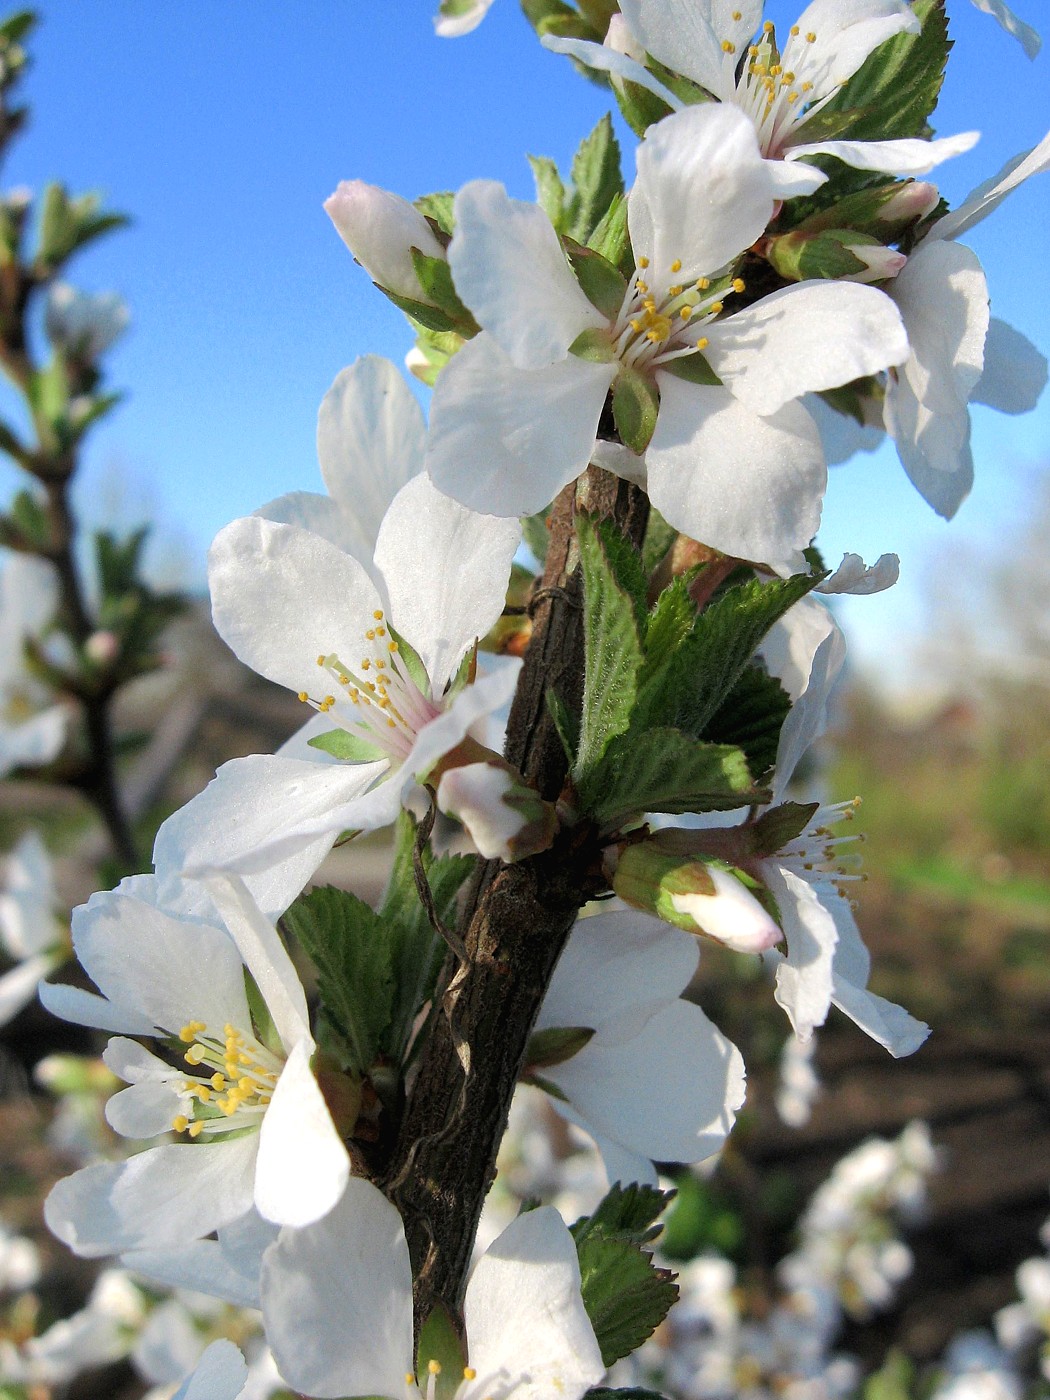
(350, 946)
(659, 537)
(566, 723)
(602, 284)
(672, 619)
(629, 1211)
(635, 405)
(751, 717)
(626, 1296)
(612, 238)
(340, 744)
(781, 824)
(664, 770)
(550, 189)
(596, 180)
(438, 206)
(435, 277)
(612, 639)
(697, 677)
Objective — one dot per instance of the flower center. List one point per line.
(777, 91)
(237, 1093)
(819, 855)
(654, 326)
(379, 703)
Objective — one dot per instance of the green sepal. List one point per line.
(340, 744)
(432, 317)
(593, 345)
(555, 1045)
(799, 256)
(435, 277)
(693, 368)
(614, 613)
(437, 348)
(262, 1020)
(440, 1342)
(411, 661)
(596, 181)
(438, 207)
(602, 284)
(780, 825)
(635, 405)
(550, 189)
(26, 524)
(639, 107)
(665, 770)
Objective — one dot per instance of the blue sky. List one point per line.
(221, 126)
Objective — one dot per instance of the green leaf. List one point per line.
(440, 1342)
(671, 621)
(612, 637)
(639, 107)
(439, 206)
(894, 1380)
(611, 237)
(659, 537)
(435, 277)
(799, 256)
(775, 828)
(664, 770)
(566, 723)
(17, 26)
(555, 1045)
(596, 180)
(340, 744)
(536, 534)
(349, 944)
(751, 717)
(629, 1211)
(696, 678)
(602, 284)
(635, 404)
(29, 517)
(626, 1296)
(550, 189)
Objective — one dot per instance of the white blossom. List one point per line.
(32, 727)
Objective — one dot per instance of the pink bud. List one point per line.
(912, 201)
(380, 228)
(102, 648)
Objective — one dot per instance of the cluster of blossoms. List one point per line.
(665, 364)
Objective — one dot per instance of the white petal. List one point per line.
(455, 26)
(143, 1110)
(380, 229)
(204, 1266)
(250, 799)
(618, 968)
(847, 31)
(220, 1375)
(509, 268)
(161, 1198)
(620, 1165)
(703, 193)
(19, 986)
(687, 37)
(320, 515)
(282, 596)
(27, 906)
(980, 202)
(803, 985)
(854, 576)
(945, 491)
(883, 1020)
(840, 433)
(506, 440)
(1014, 373)
(907, 156)
(793, 177)
(750, 486)
(731, 914)
(815, 335)
(606, 60)
(265, 956)
(303, 1166)
(810, 682)
(34, 742)
(370, 441)
(87, 1009)
(527, 1331)
(670, 1093)
(446, 570)
(1023, 33)
(354, 1338)
(29, 594)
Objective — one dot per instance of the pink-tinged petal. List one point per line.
(731, 914)
(249, 800)
(159, 1199)
(370, 442)
(792, 177)
(221, 1374)
(511, 270)
(615, 971)
(303, 1166)
(803, 983)
(670, 1093)
(703, 193)
(1023, 33)
(506, 440)
(607, 60)
(750, 486)
(943, 297)
(1014, 373)
(355, 1338)
(265, 956)
(847, 31)
(488, 694)
(87, 1009)
(172, 970)
(446, 570)
(19, 986)
(687, 37)
(980, 202)
(815, 335)
(527, 1330)
(907, 156)
(282, 596)
(380, 229)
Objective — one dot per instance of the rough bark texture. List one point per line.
(515, 925)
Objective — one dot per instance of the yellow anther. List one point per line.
(303, 697)
(789, 77)
(768, 27)
(737, 15)
(380, 631)
(320, 661)
(649, 304)
(245, 1085)
(180, 1124)
(344, 680)
(370, 635)
(728, 47)
(196, 1128)
(434, 1367)
(795, 31)
(218, 1081)
(203, 1093)
(774, 72)
(409, 1378)
(469, 1374)
(329, 700)
(738, 284)
(365, 663)
(378, 614)
(392, 646)
(753, 51)
(195, 1054)
(685, 313)
(807, 87)
(792, 96)
(717, 308)
(674, 291)
(380, 663)
(703, 284)
(188, 1033)
(636, 326)
(391, 724)
(702, 343)
(676, 266)
(643, 287)
(811, 38)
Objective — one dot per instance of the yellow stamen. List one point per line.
(643, 263)
(469, 1374)
(434, 1367)
(738, 284)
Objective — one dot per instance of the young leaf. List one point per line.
(435, 277)
(550, 189)
(439, 208)
(612, 637)
(611, 237)
(626, 1296)
(664, 770)
(659, 537)
(628, 1211)
(439, 1341)
(751, 717)
(596, 180)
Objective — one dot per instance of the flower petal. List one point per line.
(355, 1339)
(161, 1198)
(846, 32)
(226, 1268)
(143, 1110)
(803, 984)
(607, 60)
(281, 596)
(907, 156)
(303, 1166)
(506, 440)
(87, 1009)
(687, 37)
(812, 336)
(220, 1374)
(1023, 33)
(750, 486)
(511, 270)
(888, 1024)
(792, 177)
(980, 202)
(19, 986)
(34, 742)
(446, 570)
(527, 1330)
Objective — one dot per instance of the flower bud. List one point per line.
(506, 819)
(694, 895)
(380, 229)
(81, 324)
(909, 203)
(840, 253)
(102, 647)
